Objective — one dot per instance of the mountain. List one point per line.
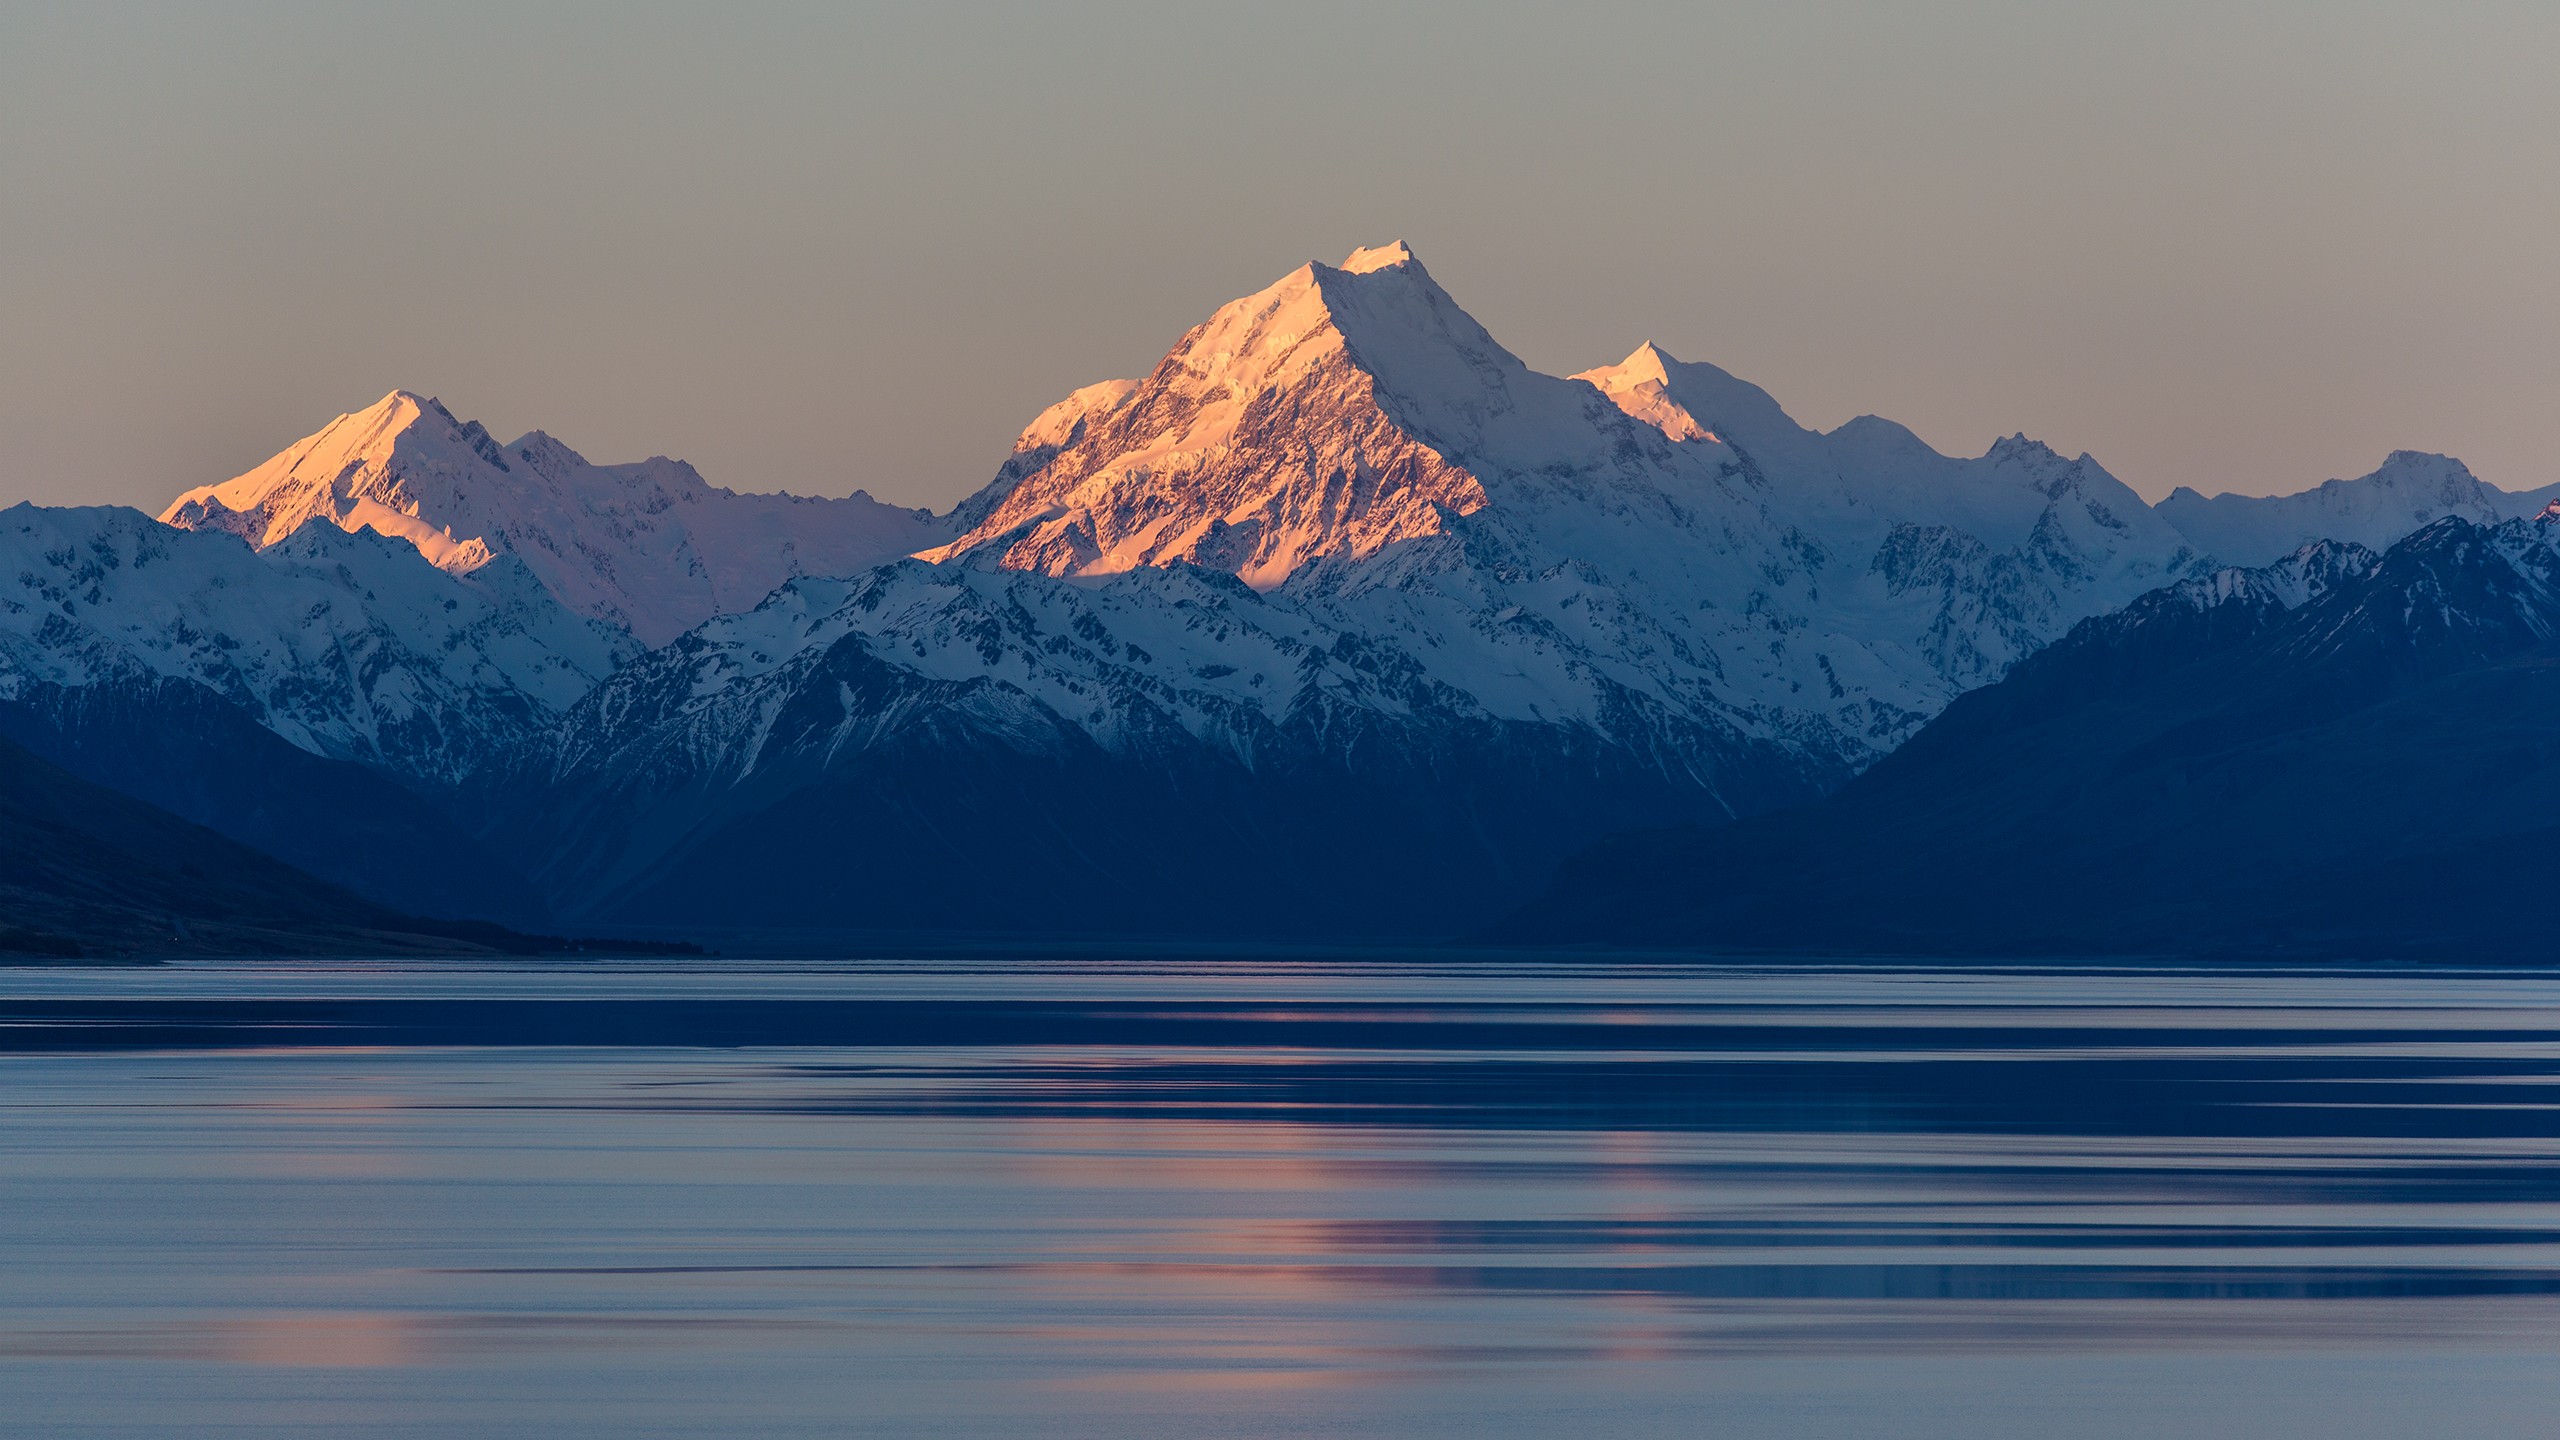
(649, 547)
(1350, 441)
(2341, 754)
(314, 701)
(2410, 491)
(185, 748)
(1270, 437)
(1987, 558)
(84, 870)
(346, 645)
(1345, 410)
(1342, 620)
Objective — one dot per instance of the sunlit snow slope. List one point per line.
(347, 645)
(649, 546)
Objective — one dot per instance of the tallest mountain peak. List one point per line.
(1647, 364)
(1318, 417)
(1380, 257)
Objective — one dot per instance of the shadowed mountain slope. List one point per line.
(84, 870)
(2334, 756)
(181, 746)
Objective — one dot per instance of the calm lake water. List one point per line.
(1277, 1199)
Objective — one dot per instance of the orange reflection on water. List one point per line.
(1159, 1155)
(324, 1341)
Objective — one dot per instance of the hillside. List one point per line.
(84, 870)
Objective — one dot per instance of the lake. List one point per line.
(1267, 1198)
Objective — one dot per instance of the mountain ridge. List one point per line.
(2349, 758)
(650, 546)
(2408, 491)
(347, 645)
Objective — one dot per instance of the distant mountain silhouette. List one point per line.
(85, 871)
(181, 746)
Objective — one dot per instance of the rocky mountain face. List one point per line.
(651, 547)
(2341, 754)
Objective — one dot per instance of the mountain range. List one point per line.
(2410, 491)
(2338, 754)
(1341, 622)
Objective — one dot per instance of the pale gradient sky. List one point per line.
(2238, 246)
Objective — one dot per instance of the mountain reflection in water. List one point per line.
(1276, 1198)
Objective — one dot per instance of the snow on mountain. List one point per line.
(1872, 476)
(1162, 650)
(1190, 750)
(2287, 583)
(348, 645)
(2172, 625)
(1982, 559)
(650, 546)
(1260, 443)
(2410, 491)
(2454, 589)
(1641, 386)
(1351, 440)
(2453, 593)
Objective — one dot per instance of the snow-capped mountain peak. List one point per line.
(650, 546)
(1653, 386)
(1288, 427)
(1640, 386)
(335, 473)
(1369, 258)
(547, 456)
(2410, 490)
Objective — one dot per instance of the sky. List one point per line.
(2237, 246)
